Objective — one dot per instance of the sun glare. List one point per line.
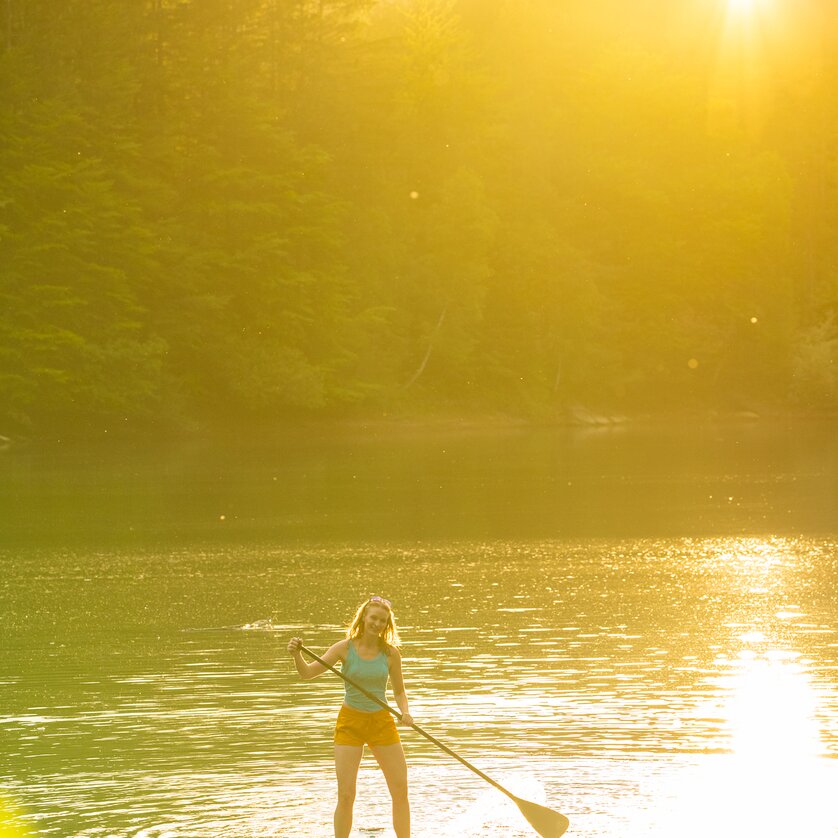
(742, 7)
(744, 66)
(771, 712)
(777, 752)
(770, 716)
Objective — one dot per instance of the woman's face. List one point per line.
(375, 619)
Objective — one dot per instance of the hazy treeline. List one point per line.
(226, 210)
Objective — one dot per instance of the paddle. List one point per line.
(546, 822)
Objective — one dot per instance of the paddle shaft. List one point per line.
(416, 727)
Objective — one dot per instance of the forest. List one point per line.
(225, 212)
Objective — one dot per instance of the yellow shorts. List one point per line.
(355, 727)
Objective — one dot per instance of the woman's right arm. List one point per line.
(307, 671)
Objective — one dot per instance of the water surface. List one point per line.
(631, 636)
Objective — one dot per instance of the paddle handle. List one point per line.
(384, 705)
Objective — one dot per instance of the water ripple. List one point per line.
(629, 664)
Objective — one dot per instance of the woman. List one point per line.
(369, 655)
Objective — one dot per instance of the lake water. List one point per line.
(634, 626)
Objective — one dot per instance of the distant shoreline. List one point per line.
(576, 419)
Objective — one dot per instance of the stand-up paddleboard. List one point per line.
(546, 822)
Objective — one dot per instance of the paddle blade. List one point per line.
(546, 822)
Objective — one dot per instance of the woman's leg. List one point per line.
(347, 760)
(393, 764)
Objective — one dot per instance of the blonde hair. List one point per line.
(389, 637)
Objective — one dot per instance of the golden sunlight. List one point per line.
(742, 7)
(771, 715)
(777, 780)
(771, 712)
(744, 68)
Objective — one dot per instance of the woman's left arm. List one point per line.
(397, 681)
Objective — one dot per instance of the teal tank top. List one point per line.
(370, 674)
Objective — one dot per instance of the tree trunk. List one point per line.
(429, 351)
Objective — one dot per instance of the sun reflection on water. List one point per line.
(677, 688)
(771, 711)
(776, 780)
(770, 774)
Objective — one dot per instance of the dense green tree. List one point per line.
(74, 251)
(227, 211)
